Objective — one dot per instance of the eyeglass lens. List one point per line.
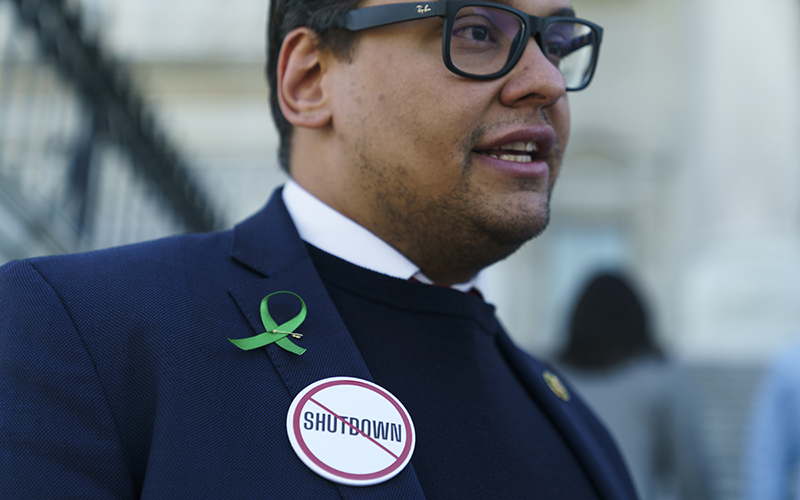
(484, 39)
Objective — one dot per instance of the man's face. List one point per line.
(438, 165)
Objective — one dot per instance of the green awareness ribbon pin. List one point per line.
(274, 332)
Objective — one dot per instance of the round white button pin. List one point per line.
(351, 431)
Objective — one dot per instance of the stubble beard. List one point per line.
(454, 236)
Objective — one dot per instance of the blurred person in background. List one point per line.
(772, 455)
(613, 360)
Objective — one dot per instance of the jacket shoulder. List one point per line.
(181, 249)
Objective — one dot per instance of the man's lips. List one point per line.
(523, 146)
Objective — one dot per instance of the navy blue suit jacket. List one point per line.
(117, 379)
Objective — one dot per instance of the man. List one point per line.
(423, 142)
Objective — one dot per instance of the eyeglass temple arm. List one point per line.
(383, 15)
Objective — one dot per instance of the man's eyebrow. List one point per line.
(507, 3)
(562, 12)
(565, 12)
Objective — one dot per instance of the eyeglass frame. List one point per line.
(532, 26)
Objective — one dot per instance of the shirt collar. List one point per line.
(325, 228)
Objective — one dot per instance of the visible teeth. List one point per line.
(520, 146)
(517, 158)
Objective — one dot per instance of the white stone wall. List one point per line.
(740, 287)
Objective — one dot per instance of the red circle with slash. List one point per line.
(351, 431)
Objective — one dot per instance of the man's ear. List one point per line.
(302, 99)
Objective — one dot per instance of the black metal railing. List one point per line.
(81, 159)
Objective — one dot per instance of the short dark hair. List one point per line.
(286, 15)
(609, 326)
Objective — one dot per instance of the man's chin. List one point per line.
(524, 217)
(528, 232)
(514, 230)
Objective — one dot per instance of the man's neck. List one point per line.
(330, 231)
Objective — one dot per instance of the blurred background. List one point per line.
(125, 120)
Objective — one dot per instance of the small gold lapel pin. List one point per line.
(555, 385)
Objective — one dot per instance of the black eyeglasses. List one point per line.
(484, 40)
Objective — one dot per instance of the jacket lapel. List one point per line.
(581, 429)
(268, 244)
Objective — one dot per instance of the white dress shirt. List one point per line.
(325, 228)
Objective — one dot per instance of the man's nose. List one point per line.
(534, 78)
